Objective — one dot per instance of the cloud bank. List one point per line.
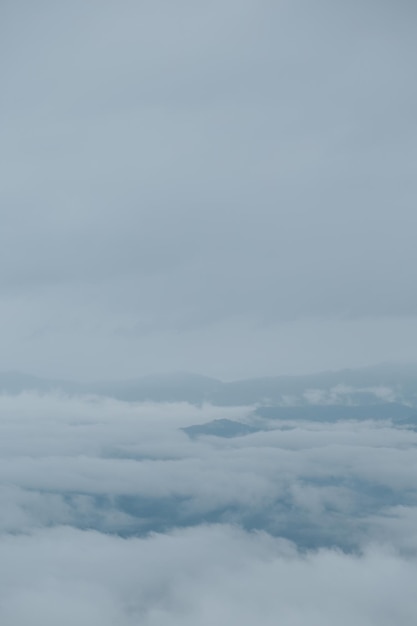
(197, 577)
(111, 514)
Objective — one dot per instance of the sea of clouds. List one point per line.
(110, 514)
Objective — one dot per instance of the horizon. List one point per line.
(177, 374)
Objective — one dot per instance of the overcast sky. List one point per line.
(224, 187)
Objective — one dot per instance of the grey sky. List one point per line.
(224, 187)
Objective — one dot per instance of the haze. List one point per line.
(225, 188)
(208, 316)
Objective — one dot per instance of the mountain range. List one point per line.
(361, 386)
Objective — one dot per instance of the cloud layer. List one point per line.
(110, 514)
(130, 469)
(197, 577)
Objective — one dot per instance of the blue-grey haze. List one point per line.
(228, 189)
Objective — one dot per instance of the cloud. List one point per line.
(130, 469)
(197, 576)
(111, 514)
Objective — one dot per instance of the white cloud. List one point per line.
(78, 474)
(198, 577)
(116, 466)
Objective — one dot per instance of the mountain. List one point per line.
(220, 428)
(362, 386)
(178, 387)
(399, 413)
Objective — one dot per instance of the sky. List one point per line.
(225, 188)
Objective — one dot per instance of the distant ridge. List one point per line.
(354, 386)
(13, 382)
